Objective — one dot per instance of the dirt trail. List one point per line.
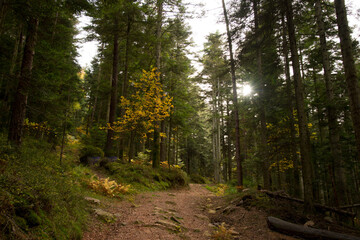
(174, 214)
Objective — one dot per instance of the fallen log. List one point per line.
(316, 205)
(297, 230)
(351, 206)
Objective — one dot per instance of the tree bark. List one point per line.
(55, 25)
(229, 156)
(169, 157)
(126, 78)
(262, 114)
(156, 143)
(3, 10)
(94, 109)
(215, 131)
(302, 118)
(113, 98)
(18, 109)
(349, 68)
(295, 172)
(334, 135)
(235, 102)
(163, 122)
(17, 45)
(223, 148)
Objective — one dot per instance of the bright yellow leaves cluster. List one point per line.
(222, 233)
(33, 127)
(165, 164)
(283, 165)
(106, 187)
(144, 109)
(276, 134)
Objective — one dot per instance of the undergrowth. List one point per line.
(38, 198)
(218, 189)
(143, 177)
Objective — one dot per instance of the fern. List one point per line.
(107, 187)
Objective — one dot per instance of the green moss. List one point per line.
(32, 219)
(21, 222)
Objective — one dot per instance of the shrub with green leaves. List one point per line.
(91, 151)
(197, 178)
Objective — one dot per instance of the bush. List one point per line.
(197, 178)
(91, 151)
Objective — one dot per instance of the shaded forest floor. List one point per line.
(193, 213)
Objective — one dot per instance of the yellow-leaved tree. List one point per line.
(145, 108)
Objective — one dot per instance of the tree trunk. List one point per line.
(295, 172)
(303, 128)
(223, 148)
(235, 102)
(3, 10)
(18, 109)
(169, 158)
(9, 86)
(126, 79)
(176, 148)
(64, 123)
(155, 150)
(349, 67)
(262, 114)
(163, 122)
(229, 156)
(17, 45)
(215, 132)
(131, 146)
(55, 25)
(98, 80)
(113, 98)
(334, 135)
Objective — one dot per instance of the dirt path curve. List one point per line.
(174, 214)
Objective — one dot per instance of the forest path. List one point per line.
(172, 214)
(177, 214)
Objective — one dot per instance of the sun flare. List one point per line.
(246, 90)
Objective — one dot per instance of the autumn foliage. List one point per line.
(145, 108)
(107, 187)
